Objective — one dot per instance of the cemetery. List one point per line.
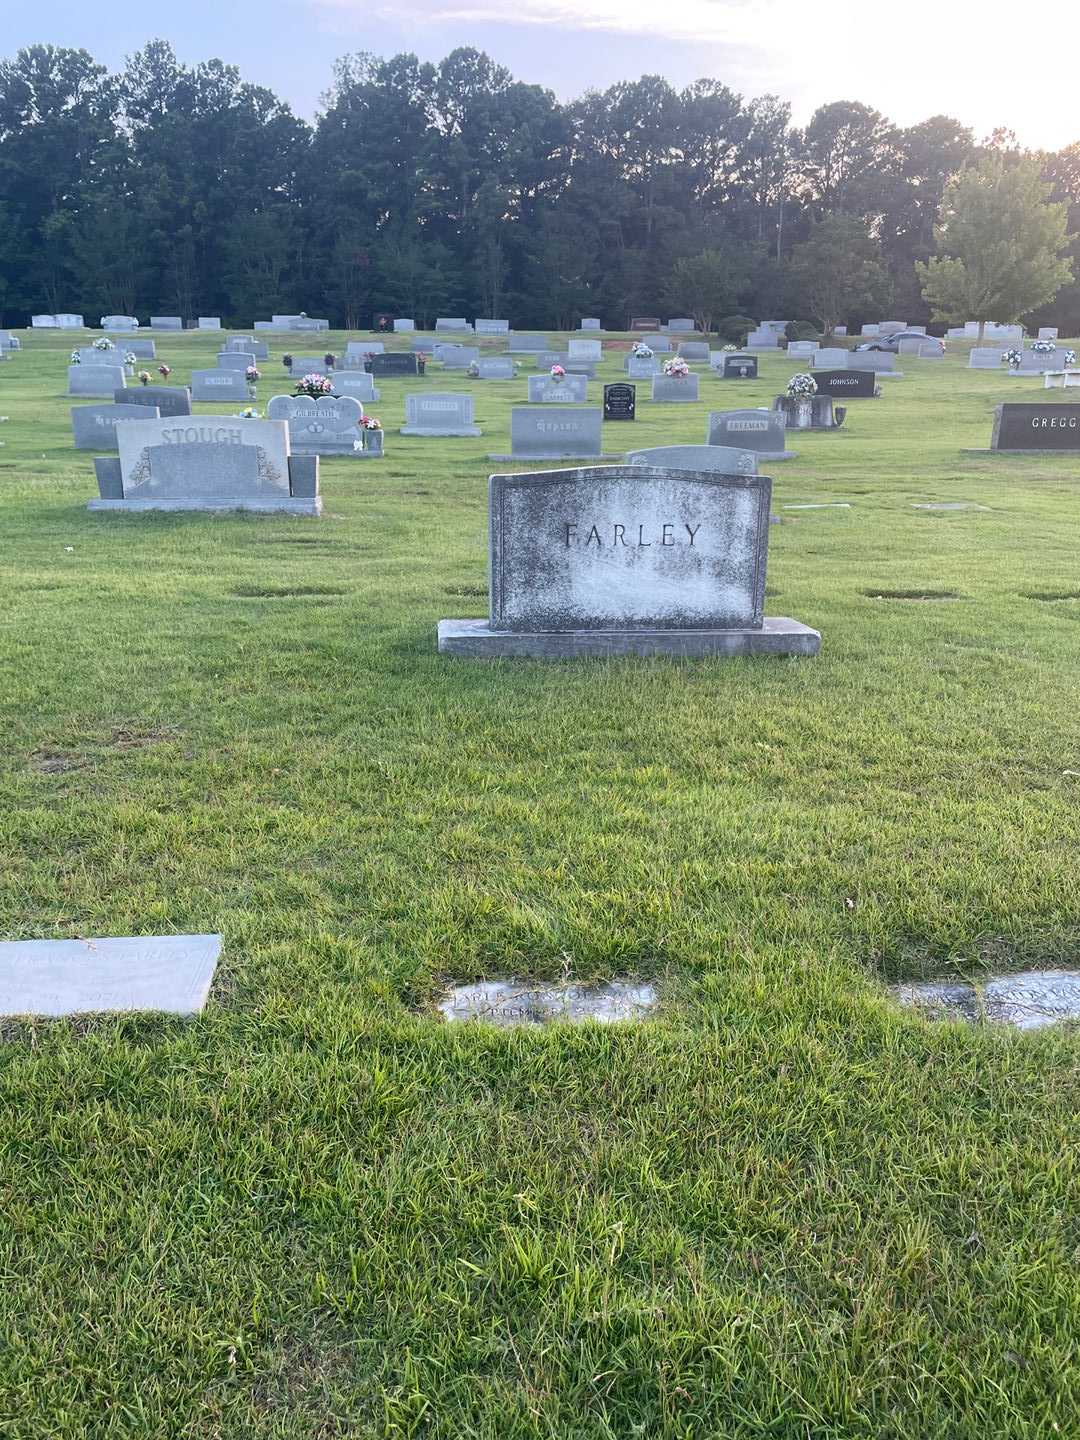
(569, 932)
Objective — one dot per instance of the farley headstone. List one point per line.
(627, 559)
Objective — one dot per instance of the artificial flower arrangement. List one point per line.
(558, 373)
(801, 387)
(329, 360)
(130, 358)
(103, 343)
(369, 422)
(731, 349)
(473, 370)
(676, 368)
(1013, 358)
(164, 371)
(144, 377)
(286, 360)
(76, 358)
(252, 373)
(1070, 357)
(1043, 347)
(641, 351)
(315, 386)
(248, 414)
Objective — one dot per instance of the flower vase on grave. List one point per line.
(804, 414)
(373, 440)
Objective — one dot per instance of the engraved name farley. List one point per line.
(666, 536)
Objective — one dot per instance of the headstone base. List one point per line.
(287, 505)
(463, 431)
(553, 455)
(475, 640)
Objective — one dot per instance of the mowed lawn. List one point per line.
(786, 1208)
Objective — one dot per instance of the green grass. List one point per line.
(787, 1209)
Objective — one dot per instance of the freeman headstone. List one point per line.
(759, 430)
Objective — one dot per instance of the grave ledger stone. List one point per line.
(620, 401)
(209, 463)
(627, 560)
(1036, 427)
(168, 973)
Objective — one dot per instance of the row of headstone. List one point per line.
(834, 358)
(292, 322)
(57, 322)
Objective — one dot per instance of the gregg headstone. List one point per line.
(97, 380)
(439, 415)
(627, 559)
(218, 386)
(759, 430)
(169, 400)
(620, 402)
(1036, 427)
(94, 426)
(572, 390)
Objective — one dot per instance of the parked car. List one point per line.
(891, 343)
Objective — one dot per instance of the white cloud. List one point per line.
(983, 61)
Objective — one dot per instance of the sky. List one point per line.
(987, 64)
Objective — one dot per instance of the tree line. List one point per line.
(451, 188)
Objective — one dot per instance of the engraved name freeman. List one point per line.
(669, 534)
